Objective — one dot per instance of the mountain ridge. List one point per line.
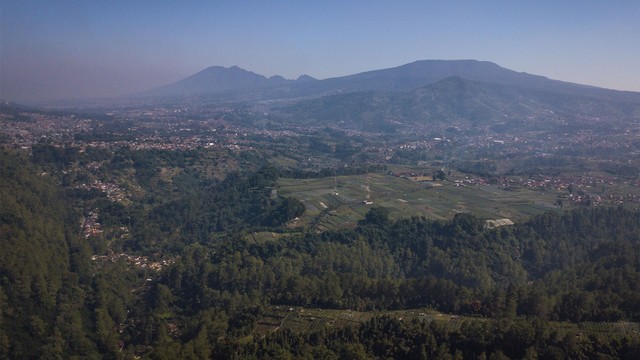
(235, 81)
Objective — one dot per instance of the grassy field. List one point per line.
(334, 203)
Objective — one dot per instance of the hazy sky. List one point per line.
(54, 49)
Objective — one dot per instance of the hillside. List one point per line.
(169, 263)
(459, 100)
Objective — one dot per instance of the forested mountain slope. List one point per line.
(44, 267)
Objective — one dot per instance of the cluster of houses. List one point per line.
(138, 261)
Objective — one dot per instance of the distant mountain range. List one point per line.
(236, 81)
(475, 92)
(216, 79)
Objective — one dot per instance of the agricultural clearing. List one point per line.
(334, 203)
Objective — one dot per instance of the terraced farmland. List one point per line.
(334, 203)
(309, 320)
(263, 237)
(306, 320)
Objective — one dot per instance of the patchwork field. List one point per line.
(340, 202)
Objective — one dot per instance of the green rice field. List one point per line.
(334, 203)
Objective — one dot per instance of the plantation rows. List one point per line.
(617, 327)
(309, 320)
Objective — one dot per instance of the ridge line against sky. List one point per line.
(86, 49)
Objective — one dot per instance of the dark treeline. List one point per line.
(328, 172)
(389, 338)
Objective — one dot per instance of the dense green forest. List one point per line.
(45, 270)
(513, 283)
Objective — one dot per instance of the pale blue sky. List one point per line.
(89, 48)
